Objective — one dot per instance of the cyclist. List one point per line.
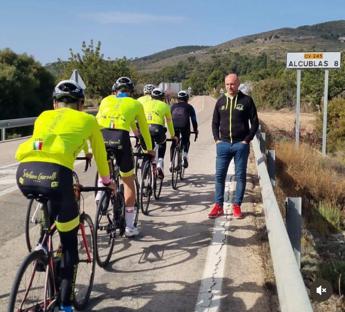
(182, 112)
(148, 88)
(46, 164)
(157, 114)
(117, 115)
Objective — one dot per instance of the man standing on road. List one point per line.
(232, 134)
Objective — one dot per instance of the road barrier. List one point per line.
(292, 292)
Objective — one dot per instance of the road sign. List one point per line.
(313, 60)
(77, 78)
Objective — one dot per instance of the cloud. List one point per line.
(129, 18)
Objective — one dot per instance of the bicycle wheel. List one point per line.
(32, 290)
(181, 167)
(33, 223)
(86, 264)
(137, 201)
(146, 188)
(157, 186)
(104, 230)
(174, 169)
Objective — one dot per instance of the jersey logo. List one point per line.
(223, 107)
(38, 145)
(239, 107)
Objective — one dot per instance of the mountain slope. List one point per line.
(328, 36)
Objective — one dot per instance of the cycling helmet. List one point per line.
(123, 83)
(183, 95)
(157, 94)
(68, 90)
(148, 88)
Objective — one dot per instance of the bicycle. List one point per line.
(110, 214)
(36, 285)
(151, 183)
(34, 215)
(177, 166)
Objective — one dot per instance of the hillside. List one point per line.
(329, 36)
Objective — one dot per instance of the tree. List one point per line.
(25, 86)
(99, 74)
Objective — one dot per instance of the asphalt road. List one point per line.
(181, 261)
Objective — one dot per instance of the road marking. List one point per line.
(210, 292)
(9, 166)
(8, 190)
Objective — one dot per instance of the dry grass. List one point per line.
(318, 180)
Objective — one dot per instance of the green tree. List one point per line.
(25, 86)
(99, 74)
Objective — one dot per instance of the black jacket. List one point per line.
(182, 113)
(230, 119)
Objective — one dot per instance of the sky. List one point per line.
(47, 29)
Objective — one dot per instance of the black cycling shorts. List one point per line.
(53, 181)
(118, 141)
(158, 133)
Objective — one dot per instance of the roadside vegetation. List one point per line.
(320, 181)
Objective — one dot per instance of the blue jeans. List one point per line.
(225, 152)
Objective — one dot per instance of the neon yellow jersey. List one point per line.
(157, 112)
(121, 113)
(59, 135)
(143, 99)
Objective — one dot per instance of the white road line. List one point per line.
(210, 292)
(8, 190)
(7, 181)
(10, 165)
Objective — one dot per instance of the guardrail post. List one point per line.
(3, 134)
(271, 166)
(294, 225)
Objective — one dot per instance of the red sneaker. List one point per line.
(236, 211)
(216, 211)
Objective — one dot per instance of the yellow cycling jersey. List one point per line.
(59, 135)
(157, 112)
(143, 99)
(121, 113)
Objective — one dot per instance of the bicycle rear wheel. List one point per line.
(137, 201)
(174, 169)
(157, 186)
(182, 168)
(32, 290)
(86, 264)
(33, 223)
(146, 188)
(104, 230)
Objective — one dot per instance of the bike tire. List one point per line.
(33, 223)
(137, 201)
(87, 263)
(146, 188)
(104, 230)
(157, 187)
(174, 169)
(181, 167)
(35, 298)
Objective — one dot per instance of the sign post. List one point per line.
(310, 60)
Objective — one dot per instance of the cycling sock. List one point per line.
(129, 216)
(160, 163)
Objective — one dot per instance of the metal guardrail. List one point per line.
(14, 123)
(22, 122)
(292, 292)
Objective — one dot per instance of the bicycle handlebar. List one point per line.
(87, 162)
